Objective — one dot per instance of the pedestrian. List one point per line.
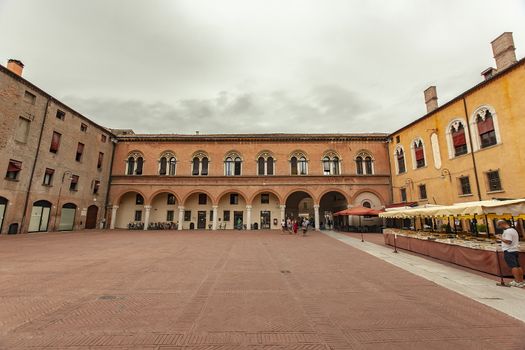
(289, 225)
(305, 226)
(283, 225)
(295, 226)
(510, 241)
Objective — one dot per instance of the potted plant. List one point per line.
(482, 229)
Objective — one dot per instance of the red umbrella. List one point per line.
(359, 211)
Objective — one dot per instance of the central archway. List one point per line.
(198, 212)
(164, 208)
(232, 211)
(299, 204)
(131, 210)
(330, 203)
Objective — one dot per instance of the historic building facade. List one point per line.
(472, 147)
(219, 181)
(55, 163)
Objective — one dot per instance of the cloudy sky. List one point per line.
(176, 66)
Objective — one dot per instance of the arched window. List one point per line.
(200, 164)
(265, 164)
(359, 165)
(364, 163)
(331, 164)
(486, 130)
(167, 164)
(418, 153)
(400, 160)
(233, 164)
(459, 140)
(367, 204)
(135, 163)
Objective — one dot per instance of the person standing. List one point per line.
(283, 225)
(305, 226)
(510, 243)
(295, 227)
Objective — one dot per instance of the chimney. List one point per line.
(15, 66)
(431, 98)
(504, 51)
(489, 73)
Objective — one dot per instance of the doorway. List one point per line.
(67, 217)
(238, 219)
(3, 207)
(39, 216)
(91, 218)
(201, 219)
(265, 219)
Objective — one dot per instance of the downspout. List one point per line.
(472, 149)
(390, 170)
(26, 201)
(109, 180)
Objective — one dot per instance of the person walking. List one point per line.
(289, 225)
(510, 242)
(295, 227)
(305, 226)
(283, 225)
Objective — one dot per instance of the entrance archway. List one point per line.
(330, 203)
(265, 211)
(91, 218)
(67, 217)
(198, 212)
(300, 204)
(40, 213)
(232, 211)
(164, 208)
(3, 209)
(131, 210)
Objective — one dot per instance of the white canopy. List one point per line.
(514, 207)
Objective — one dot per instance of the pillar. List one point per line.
(248, 217)
(215, 217)
(147, 209)
(181, 218)
(316, 214)
(283, 213)
(113, 217)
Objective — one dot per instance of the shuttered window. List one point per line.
(55, 142)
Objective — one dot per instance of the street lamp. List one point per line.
(59, 193)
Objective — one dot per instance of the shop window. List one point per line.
(73, 185)
(170, 214)
(226, 216)
(22, 130)
(48, 177)
(55, 142)
(464, 183)
(494, 181)
(138, 215)
(80, 152)
(265, 198)
(13, 170)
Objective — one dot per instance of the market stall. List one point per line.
(451, 243)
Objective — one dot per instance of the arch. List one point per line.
(119, 196)
(481, 112)
(419, 153)
(258, 192)
(200, 154)
(364, 153)
(40, 215)
(301, 189)
(265, 154)
(233, 154)
(192, 192)
(376, 193)
(3, 209)
(300, 203)
(156, 193)
(332, 189)
(67, 217)
(91, 217)
(452, 127)
(244, 196)
(298, 154)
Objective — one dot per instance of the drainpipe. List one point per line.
(390, 170)
(26, 201)
(114, 142)
(472, 148)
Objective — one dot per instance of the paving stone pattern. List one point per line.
(227, 290)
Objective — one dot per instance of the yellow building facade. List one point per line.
(472, 147)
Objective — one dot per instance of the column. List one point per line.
(147, 209)
(215, 217)
(113, 217)
(283, 213)
(181, 217)
(248, 217)
(316, 213)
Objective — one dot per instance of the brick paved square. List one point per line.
(227, 290)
